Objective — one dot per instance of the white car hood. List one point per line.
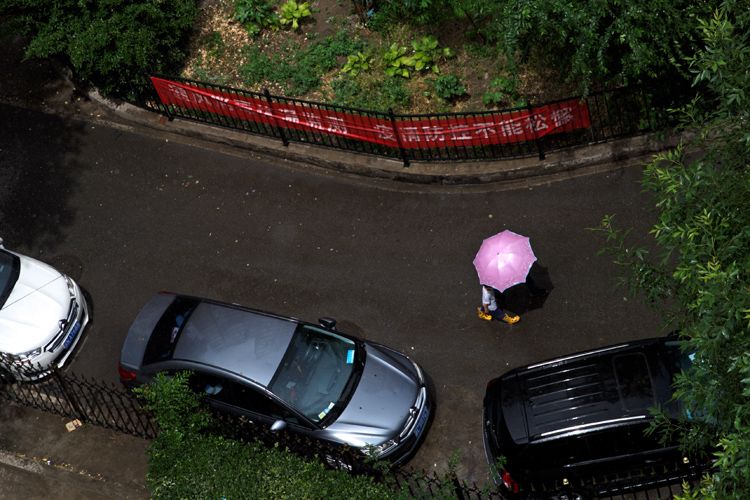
(31, 315)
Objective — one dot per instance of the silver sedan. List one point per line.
(285, 373)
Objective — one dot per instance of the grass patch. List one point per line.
(296, 69)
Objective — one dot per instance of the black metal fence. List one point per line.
(110, 406)
(413, 483)
(613, 114)
(76, 397)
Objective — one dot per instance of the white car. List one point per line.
(42, 315)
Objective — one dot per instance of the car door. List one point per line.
(230, 396)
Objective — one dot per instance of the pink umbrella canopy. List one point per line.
(504, 260)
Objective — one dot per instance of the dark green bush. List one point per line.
(110, 43)
(256, 15)
(448, 87)
(185, 462)
(591, 42)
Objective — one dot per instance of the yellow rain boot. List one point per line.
(511, 320)
(483, 315)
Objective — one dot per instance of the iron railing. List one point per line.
(613, 114)
(109, 406)
(76, 397)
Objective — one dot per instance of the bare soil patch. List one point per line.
(221, 46)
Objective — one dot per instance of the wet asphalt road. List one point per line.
(129, 213)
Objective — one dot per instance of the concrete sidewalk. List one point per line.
(40, 458)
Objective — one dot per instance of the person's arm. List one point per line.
(485, 301)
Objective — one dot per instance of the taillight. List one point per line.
(509, 482)
(126, 375)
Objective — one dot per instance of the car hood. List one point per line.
(380, 405)
(34, 308)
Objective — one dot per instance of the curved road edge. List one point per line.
(572, 162)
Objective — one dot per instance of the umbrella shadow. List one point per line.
(530, 295)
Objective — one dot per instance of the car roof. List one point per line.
(235, 339)
(606, 387)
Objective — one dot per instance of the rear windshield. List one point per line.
(162, 343)
(9, 269)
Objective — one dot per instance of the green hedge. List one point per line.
(185, 462)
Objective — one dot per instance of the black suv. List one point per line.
(574, 426)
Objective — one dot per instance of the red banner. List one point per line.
(415, 132)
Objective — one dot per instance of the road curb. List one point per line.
(583, 160)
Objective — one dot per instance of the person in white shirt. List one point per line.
(490, 310)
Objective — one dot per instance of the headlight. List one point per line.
(71, 285)
(420, 375)
(375, 451)
(25, 357)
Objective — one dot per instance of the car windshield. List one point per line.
(9, 269)
(317, 373)
(678, 361)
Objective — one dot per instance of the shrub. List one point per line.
(502, 91)
(618, 41)
(448, 87)
(427, 53)
(292, 13)
(186, 462)
(396, 61)
(324, 55)
(355, 63)
(110, 47)
(256, 15)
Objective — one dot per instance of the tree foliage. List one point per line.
(111, 43)
(702, 280)
(618, 41)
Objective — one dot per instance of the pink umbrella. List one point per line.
(504, 260)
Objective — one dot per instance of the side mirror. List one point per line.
(328, 323)
(277, 426)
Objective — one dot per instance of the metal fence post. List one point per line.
(458, 488)
(404, 156)
(284, 140)
(156, 98)
(67, 394)
(169, 112)
(537, 140)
